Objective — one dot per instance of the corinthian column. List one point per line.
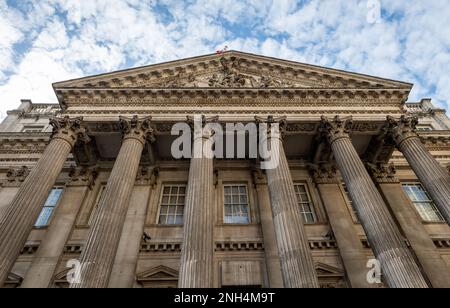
(197, 253)
(434, 266)
(297, 264)
(397, 263)
(99, 252)
(41, 270)
(19, 217)
(430, 173)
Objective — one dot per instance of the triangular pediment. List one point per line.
(158, 273)
(231, 70)
(328, 270)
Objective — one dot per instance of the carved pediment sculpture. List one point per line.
(232, 70)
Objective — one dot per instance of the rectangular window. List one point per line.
(423, 203)
(49, 207)
(236, 204)
(305, 203)
(172, 205)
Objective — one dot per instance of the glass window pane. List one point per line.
(423, 203)
(44, 217)
(172, 205)
(179, 219)
(50, 204)
(305, 204)
(236, 204)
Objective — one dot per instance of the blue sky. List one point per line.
(45, 41)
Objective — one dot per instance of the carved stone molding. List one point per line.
(70, 130)
(147, 176)
(139, 129)
(324, 174)
(383, 173)
(335, 129)
(403, 129)
(82, 176)
(16, 176)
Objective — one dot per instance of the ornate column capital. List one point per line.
(135, 128)
(401, 130)
(270, 121)
(82, 176)
(147, 176)
(69, 130)
(259, 178)
(16, 176)
(324, 174)
(335, 129)
(197, 123)
(383, 173)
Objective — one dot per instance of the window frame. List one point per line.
(430, 201)
(161, 195)
(249, 211)
(50, 218)
(311, 203)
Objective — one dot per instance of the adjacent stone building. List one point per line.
(362, 175)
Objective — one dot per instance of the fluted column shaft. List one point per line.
(296, 260)
(431, 174)
(99, 252)
(20, 216)
(42, 269)
(434, 266)
(270, 242)
(197, 253)
(397, 263)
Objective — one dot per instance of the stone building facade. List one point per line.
(362, 176)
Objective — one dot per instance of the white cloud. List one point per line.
(70, 38)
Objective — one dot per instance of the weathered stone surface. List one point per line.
(98, 255)
(19, 217)
(295, 256)
(430, 173)
(398, 265)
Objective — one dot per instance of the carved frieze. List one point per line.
(16, 176)
(147, 176)
(383, 173)
(82, 176)
(324, 174)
